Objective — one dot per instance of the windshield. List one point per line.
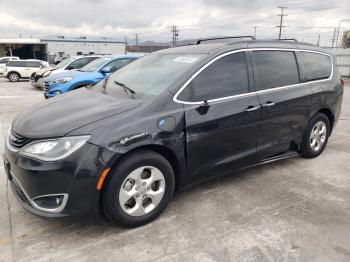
(64, 62)
(151, 75)
(95, 65)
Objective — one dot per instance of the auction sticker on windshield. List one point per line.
(185, 59)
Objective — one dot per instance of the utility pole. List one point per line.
(126, 44)
(318, 40)
(175, 32)
(281, 21)
(136, 39)
(333, 39)
(255, 27)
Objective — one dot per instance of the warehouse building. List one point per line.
(56, 48)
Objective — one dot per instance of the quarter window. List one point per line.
(275, 69)
(227, 76)
(316, 66)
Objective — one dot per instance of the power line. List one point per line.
(281, 21)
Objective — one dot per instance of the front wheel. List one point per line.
(139, 189)
(13, 77)
(316, 136)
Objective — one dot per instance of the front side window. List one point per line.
(4, 60)
(96, 65)
(17, 63)
(79, 63)
(316, 66)
(275, 69)
(117, 64)
(227, 76)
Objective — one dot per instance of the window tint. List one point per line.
(4, 60)
(33, 64)
(316, 66)
(117, 64)
(90, 59)
(274, 69)
(79, 63)
(228, 76)
(17, 63)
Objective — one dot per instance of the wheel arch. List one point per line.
(8, 73)
(167, 153)
(330, 116)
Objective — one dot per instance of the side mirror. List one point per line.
(203, 108)
(106, 70)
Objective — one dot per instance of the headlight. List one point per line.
(62, 80)
(47, 73)
(54, 149)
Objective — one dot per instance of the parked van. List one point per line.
(170, 119)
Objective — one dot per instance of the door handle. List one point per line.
(269, 104)
(252, 108)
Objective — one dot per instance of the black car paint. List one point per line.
(190, 143)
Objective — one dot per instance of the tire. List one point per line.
(314, 139)
(134, 175)
(13, 77)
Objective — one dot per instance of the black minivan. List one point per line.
(170, 119)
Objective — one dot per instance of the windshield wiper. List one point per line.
(127, 90)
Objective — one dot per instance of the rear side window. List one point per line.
(316, 66)
(33, 64)
(275, 69)
(227, 76)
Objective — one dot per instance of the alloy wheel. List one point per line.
(142, 191)
(318, 136)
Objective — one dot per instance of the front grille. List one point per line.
(46, 88)
(18, 141)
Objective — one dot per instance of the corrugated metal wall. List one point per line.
(343, 60)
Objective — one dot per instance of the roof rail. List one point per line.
(288, 39)
(223, 37)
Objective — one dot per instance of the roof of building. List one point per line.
(20, 41)
(82, 39)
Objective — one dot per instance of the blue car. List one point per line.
(87, 75)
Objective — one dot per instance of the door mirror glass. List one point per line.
(106, 70)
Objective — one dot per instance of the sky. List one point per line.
(152, 19)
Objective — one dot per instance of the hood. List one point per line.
(58, 116)
(68, 73)
(41, 71)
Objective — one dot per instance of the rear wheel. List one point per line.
(13, 77)
(316, 136)
(139, 189)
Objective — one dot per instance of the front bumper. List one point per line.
(74, 178)
(37, 82)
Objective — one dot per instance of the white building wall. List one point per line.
(74, 48)
(343, 60)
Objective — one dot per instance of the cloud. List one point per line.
(153, 19)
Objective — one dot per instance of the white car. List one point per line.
(4, 60)
(72, 63)
(15, 70)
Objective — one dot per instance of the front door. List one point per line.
(221, 133)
